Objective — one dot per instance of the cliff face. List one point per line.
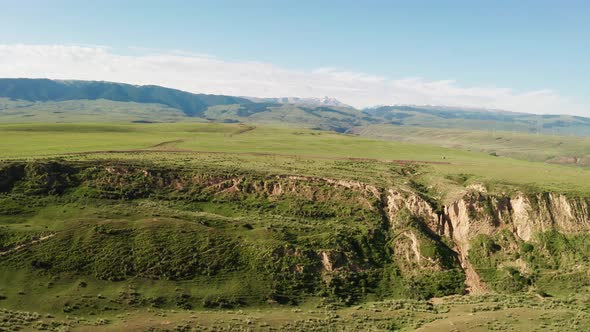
(478, 213)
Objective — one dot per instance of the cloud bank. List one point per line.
(205, 74)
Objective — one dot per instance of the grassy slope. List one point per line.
(35, 140)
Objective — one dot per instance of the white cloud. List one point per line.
(206, 74)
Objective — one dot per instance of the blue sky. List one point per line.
(525, 46)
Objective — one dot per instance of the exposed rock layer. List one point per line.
(478, 212)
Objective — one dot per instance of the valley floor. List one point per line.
(456, 313)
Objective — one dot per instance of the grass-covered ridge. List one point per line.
(251, 142)
(286, 238)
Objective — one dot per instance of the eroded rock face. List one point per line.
(478, 212)
(523, 215)
(523, 226)
(398, 200)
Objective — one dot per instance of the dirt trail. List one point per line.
(21, 246)
(242, 130)
(166, 144)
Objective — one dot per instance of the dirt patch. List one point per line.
(570, 160)
(475, 286)
(20, 246)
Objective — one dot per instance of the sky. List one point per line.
(528, 56)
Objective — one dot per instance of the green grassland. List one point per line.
(528, 146)
(486, 313)
(192, 226)
(31, 141)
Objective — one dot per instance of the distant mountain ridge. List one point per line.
(479, 119)
(38, 100)
(53, 90)
(440, 107)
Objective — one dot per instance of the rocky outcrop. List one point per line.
(399, 200)
(524, 215)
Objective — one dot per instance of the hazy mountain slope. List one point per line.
(481, 119)
(338, 119)
(100, 110)
(51, 90)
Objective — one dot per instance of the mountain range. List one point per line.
(38, 100)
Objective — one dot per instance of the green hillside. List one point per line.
(51, 90)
